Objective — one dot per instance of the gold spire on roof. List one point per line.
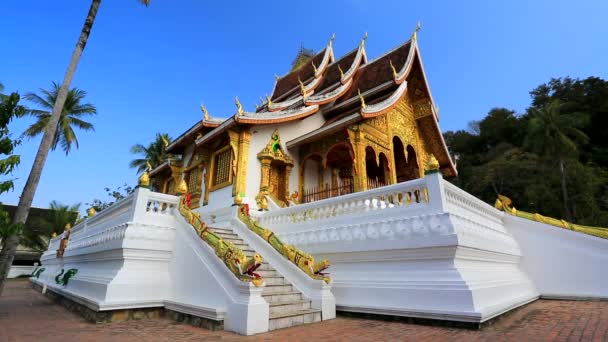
(302, 88)
(364, 38)
(393, 67)
(268, 100)
(415, 33)
(331, 40)
(165, 141)
(341, 72)
(205, 112)
(314, 67)
(239, 106)
(363, 105)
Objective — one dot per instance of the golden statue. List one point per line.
(183, 187)
(432, 164)
(302, 89)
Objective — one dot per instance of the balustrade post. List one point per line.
(140, 203)
(435, 189)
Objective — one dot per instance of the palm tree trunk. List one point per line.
(27, 196)
(562, 170)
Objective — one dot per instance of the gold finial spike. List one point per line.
(432, 164)
(331, 40)
(144, 180)
(149, 166)
(302, 88)
(205, 112)
(68, 227)
(415, 33)
(314, 67)
(341, 72)
(395, 75)
(91, 212)
(268, 100)
(364, 38)
(363, 105)
(239, 106)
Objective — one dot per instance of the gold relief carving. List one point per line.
(276, 167)
(423, 108)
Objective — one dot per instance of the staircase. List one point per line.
(288, 307)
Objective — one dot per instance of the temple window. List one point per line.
(222, 168)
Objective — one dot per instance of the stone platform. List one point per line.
(27, 315)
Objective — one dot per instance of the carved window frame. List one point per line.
(214, 157)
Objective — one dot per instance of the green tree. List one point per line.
(37, 231)
(27, 195)
(71, 116)
(154, 153)
(555, 136)
(9, 109)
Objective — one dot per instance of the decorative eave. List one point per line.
(407, 66)
(360, 57)
(215, 132)
(309, 90)
(212, 122)
(182, 138)
(379, 108)
(324, 98)
(275, 117)
(159, 169)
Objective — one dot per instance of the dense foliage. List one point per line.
(552, 159)
(152, 155)
(9, 109)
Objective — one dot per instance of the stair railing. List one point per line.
(303, 260)
(233, 257)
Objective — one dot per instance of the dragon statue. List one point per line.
(233, 257)
(505, 204)
(37, 272)
(66, 277)
(303, 260)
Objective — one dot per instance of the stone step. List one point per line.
(286, 320)
(266, 267)
(228, 236)
(267, 273)
(272, 289)
(277, 308)
(226, 230)
(283, 297)
(275, 280)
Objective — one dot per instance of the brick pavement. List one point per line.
(26, 315)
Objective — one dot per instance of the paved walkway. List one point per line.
(26, 315)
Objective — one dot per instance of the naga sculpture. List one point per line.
(233, 257)
(505, 204)
(303, 260)
(66, 277)
(37, 272)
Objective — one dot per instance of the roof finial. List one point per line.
(395, 75)
(302, 88)
(415, 33)
(314, 67)
(341, 72)
(268, 100)
(363, 105)
(276, 77)
(364, 38)
(331, 40)
(239, 106)
(205, 112)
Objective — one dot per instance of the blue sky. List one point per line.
(148, 69)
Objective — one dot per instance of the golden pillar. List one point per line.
(265, 179)
(242, 161)
(287, 175)
(356, 137)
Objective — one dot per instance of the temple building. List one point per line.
(329, 197)
(331, 127)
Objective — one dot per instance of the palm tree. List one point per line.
(553, 134)
(27, 195)
(71, 116)
(41, 227)
(154, 153)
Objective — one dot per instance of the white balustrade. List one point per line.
(407, 195)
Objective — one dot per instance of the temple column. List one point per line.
(356, 137)
(265, 177)
(242, 161)
(288, 169)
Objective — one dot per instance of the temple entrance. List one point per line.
(278, 181)
(406, 168)
(335, 179)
